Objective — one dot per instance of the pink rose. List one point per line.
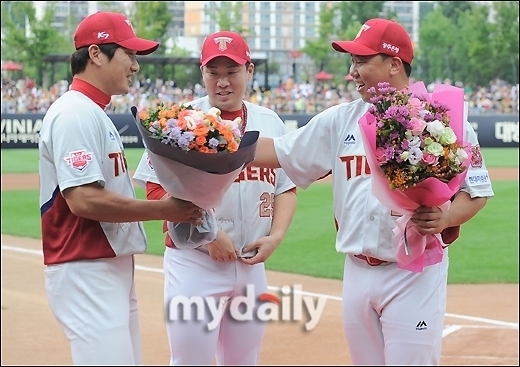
(381, 156)
(417, 126)
(415, 106)
(430, 159)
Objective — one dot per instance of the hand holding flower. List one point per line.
(418, 144)
(430, 220)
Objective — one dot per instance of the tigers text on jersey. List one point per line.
(255, 187)
(78, 145)
(332, 141)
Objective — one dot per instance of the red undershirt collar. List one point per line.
(96, 95)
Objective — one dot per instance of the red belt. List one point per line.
(372, 261)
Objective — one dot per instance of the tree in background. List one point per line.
(475, 44)
(453, 9)
(358, 12)
(151, 20)
(30, 39)
(229, 15)
(434, 57)
(505, 41)
(341, 21)
(319, 49)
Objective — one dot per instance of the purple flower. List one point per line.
(213, 143)
(185, 139)
(415, 156)
(397, 113)
(389, 153)
(394, 135)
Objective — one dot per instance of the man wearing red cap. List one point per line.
(253, 219)
(391, 315)
(90, 217)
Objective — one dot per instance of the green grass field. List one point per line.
(26, 160)
(486, 252)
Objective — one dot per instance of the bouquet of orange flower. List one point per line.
(416, 140)
(196, 156)
(191, 129)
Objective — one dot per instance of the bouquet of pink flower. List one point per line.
(416, 140)
(196, 156)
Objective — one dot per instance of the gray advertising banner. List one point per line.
(22, 130)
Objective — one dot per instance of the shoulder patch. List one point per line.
(79, 159)
(476, 156)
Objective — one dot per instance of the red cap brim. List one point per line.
(353, 48)
(236, 59)
(141, 46)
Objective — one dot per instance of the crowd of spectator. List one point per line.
(290, 97)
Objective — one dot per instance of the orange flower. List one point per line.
(143, 115)
(162, 123)
(162, 114)
(200, 140)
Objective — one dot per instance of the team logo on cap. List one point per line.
(130, 25)
(222, 42)
(364, 27)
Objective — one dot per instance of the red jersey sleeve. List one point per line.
(154, 191)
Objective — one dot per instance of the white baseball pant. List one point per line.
(393, 316)
(95, 303)
(191, 273)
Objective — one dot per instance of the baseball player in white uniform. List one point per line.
(391, 316)
(89, 213)
(256, 212)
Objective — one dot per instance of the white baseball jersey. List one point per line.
(332, 141)
(78, 145)
(255, 187)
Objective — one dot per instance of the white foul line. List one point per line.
(450, 329)
(446, 331)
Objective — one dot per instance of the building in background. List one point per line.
(407, 13)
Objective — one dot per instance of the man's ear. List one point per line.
(396, 65)
(95, 54)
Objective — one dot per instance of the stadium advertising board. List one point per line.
(22, 130)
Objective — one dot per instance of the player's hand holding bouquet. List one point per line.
(196, 156)
(417, 157)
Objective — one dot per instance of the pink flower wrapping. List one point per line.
(413, 250)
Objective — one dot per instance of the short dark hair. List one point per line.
(407, 67)
(80, 58)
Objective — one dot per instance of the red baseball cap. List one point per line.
(106, 27)
(379, 36)
(225, 43)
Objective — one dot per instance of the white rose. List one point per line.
(435, 128)
(190, 122)
(461, 155)
(214, 111)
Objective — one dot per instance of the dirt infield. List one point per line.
(481, 326)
